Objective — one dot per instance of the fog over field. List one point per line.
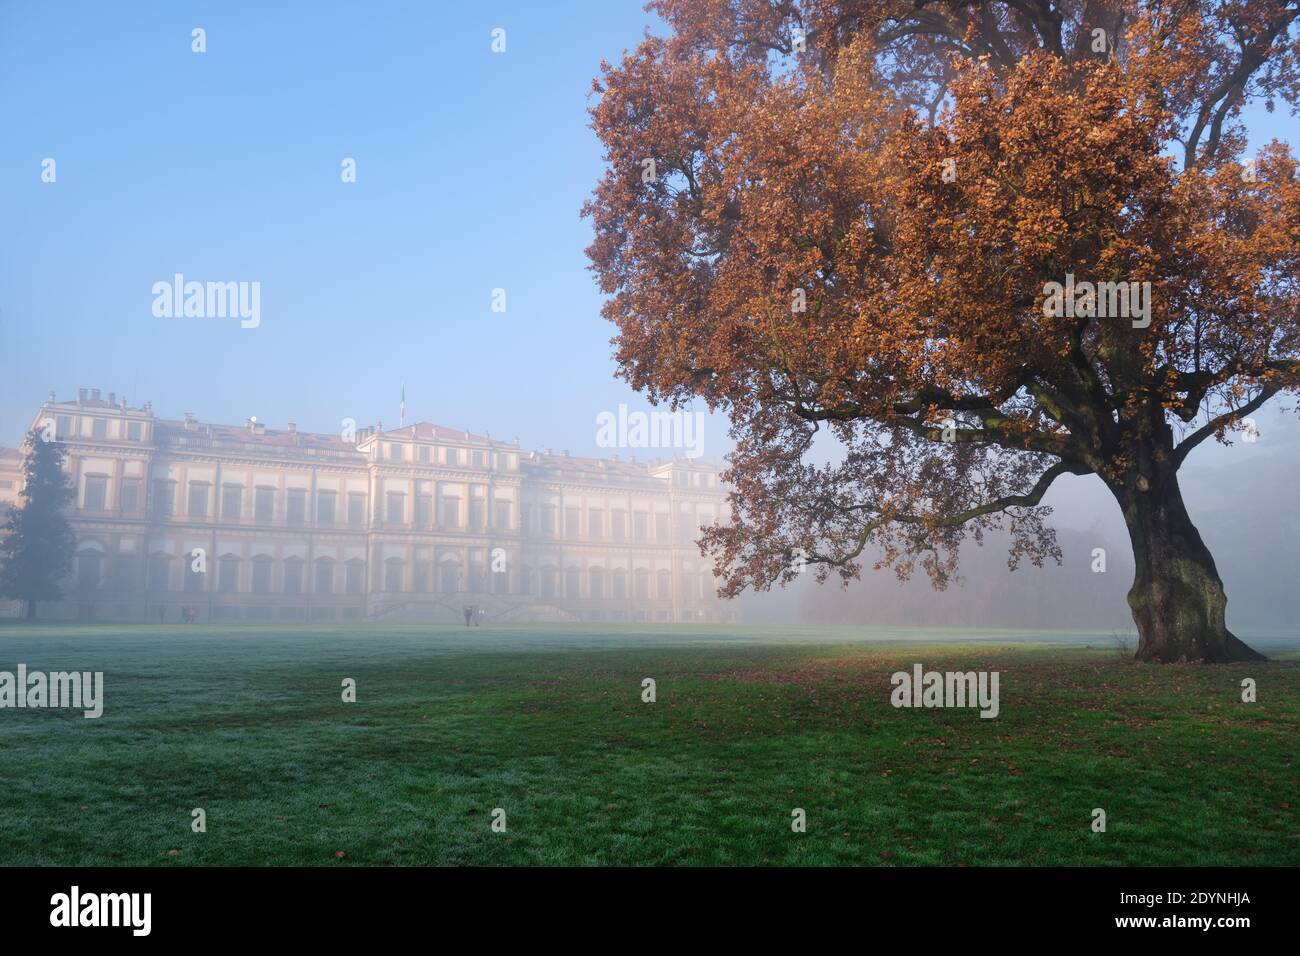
(1242, 497)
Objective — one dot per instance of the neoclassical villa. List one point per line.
(250, 523)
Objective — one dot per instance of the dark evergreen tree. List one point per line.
(36, 541)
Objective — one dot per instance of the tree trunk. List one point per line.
(1177, 597)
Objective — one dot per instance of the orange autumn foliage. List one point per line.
(844, 217)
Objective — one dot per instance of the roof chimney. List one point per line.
(189, 421)
(94, 394)
(293, 428)
(112, 398)
(81, 396)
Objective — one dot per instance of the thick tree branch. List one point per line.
(1028, 500)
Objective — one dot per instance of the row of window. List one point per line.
(612, 524)
(95, 572)
(445, 455)
(696, 479)
(599, 524)
(199, 501)
(64, 429)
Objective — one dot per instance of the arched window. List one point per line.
(596, 583)
(450, 578)
(665, 585)
(293, 575)
(620, 584)
(90, 570)
(262, 574)
(477, 578)
(356, 575)
(324, 575)
(393, 569)
(228, 574)
(160, 572)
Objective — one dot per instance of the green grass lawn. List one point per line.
(547, 723)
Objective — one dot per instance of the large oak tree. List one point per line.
(844, 217)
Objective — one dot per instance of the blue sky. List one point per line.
(472, 167)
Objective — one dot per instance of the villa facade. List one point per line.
(249, 523)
